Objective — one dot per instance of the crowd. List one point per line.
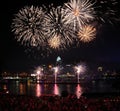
(58, 103)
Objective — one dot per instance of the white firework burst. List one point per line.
(55, 25)
(78, 12)
(27, 26)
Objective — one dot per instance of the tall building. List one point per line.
(58, 61)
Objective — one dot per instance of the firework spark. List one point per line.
(79, 12)
(54, 42)
(87, 33)
(27, 26)
(80, 68)
(107, 11)
(56, 26)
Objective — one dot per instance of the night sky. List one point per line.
(105, 49)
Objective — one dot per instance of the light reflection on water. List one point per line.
(56, 89)
(38, 90)
(78, 91)
(34, 89)
(22, 88)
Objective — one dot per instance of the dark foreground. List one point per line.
(66, 102)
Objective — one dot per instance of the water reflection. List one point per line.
(22, 89)
(28, 88)
(56, 89)
(5, 88)
(38, 90)
(68, 88)
(78, 91)
(17, 87)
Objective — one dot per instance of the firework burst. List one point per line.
(27, 26)
(79, 12)
(54, 42)
(57, 29)
(107, 11)
(87, 33)
(57, 43)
